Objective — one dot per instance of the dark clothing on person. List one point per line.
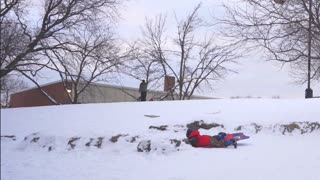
(143, 86)
(143, 90)
(216, 142)
(143, 96)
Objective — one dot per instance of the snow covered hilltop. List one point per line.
(284, 131)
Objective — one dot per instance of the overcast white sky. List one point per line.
(255, 77)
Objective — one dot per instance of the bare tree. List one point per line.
(10, 84)
(92, 56)
(281, 28)
(200, 61)
(147, 58)
(57, 19)
(192, 61)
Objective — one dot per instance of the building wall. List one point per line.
(95, 93)
(107, 93)
(100, 93)
(34, 97)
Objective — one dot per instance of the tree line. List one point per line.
(76, 40)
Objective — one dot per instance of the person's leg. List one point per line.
(229, 142)
(143, 96)
(215, 142)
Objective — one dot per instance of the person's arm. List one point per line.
(193, 141)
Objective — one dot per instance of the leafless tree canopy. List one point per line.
(71, 37)
(191, 60)
(10, 84)
(91, 56)
(280, 27)
(147, 58)
(23, 41)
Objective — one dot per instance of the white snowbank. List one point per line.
(264, 156)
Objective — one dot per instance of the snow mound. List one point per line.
(157, 138)
(294, 127)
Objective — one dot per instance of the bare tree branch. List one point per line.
(58, 19)
(280, 27)
(192, 61)
(93, 55)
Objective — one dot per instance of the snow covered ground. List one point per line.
(75, 141)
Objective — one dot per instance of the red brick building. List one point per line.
(34, 97)
(56, 93)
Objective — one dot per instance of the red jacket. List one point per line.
(201, 140)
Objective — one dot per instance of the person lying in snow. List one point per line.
(217, 141)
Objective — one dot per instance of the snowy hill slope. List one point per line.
(100, 141)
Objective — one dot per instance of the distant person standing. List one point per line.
(143, 90)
